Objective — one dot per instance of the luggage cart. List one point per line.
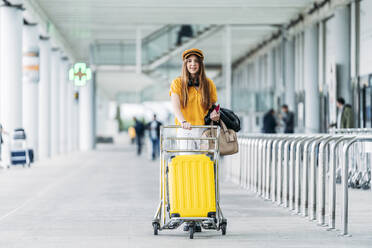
(19, 153)
(189, 183)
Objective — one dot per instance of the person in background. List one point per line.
(154, 129)
(344, 115)
(185, 31)
(288, 119)
(132, 134)
(269, 122)
(140, 129)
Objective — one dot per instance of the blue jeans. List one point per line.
(155, 148)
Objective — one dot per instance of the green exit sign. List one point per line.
(80, 74)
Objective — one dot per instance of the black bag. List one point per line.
(230, 119)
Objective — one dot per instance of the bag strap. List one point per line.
(226, 131)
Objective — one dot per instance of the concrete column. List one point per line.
(44, 99)
(271, 75)
(11, 67)
(86, 117)
(139, 51)
(54, 93)
(289, 74)
(75, 120)
(228, 59)
(30, 85)
(70, 116)
(312, 103)
(341, 42)
(63, 104)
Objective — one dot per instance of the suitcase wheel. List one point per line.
(156, 227)
(191, 230)
(223, 226)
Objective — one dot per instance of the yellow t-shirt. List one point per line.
(194, 112)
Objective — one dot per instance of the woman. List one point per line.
(192, 95)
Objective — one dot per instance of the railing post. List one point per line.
(268, 169)
(285, 173)
(279, 172)
(274, 151)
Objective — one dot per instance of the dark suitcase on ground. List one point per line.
(18, 157)
(31, 155)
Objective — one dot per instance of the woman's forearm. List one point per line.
(175, 99)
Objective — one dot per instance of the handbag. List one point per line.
(228, 141)
(230, 119)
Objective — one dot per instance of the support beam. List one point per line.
(55, 95)
(86, 117)
(44, 99)
(341, 43)
(227, 65)
(70, 116)
(31, 85)
(289, 74)
(63, 97)
(138, 51)
(11, 67)
(312, 104)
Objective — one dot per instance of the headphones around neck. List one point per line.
(193, 82)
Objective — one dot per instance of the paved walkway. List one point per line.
(107, 198)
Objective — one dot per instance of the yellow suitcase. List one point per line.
(191, 185)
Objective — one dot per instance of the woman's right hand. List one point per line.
(186, 125)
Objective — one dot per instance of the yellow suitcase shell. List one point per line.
(191, 185)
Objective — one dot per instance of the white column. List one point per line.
(54, 93)
(30, 85)
(44, 99)
(289, 74)
(227, 44)
(63, 104)
(11, 67)
(76, 110)
(70, 116)
(139, 51)
(271, 73)
(312, 104)
(86, 116)
(341, 41)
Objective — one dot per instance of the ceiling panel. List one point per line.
(83, 22)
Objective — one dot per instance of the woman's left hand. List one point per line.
(214, 116)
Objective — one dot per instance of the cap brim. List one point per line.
(193, 53)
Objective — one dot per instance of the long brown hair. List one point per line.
(203, 85)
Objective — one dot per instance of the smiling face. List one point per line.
(193, 65)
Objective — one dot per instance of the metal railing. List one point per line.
(300, 172)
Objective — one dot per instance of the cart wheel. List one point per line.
(223, 228)
(191, 230)
(156, 227)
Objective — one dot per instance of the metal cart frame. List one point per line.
(163, 219)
